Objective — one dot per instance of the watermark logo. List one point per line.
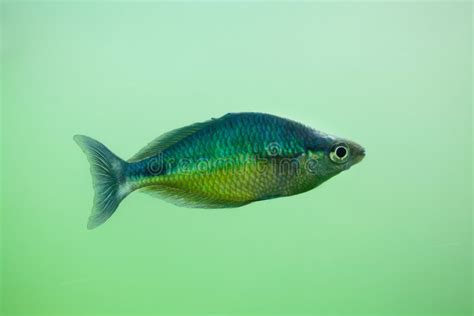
(274, 149)
(272, 161)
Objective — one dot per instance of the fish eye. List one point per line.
(339, 153)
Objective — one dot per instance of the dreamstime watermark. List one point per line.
(274, 160)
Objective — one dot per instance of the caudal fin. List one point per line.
(107, 177)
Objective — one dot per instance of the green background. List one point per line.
(391, 236)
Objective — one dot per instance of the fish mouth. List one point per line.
(359, 155)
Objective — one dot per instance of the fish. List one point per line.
(224, 162)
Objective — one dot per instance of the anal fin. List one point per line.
(185, 198)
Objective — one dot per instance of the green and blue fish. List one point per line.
(227, 162)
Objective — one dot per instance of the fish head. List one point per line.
(332, 155)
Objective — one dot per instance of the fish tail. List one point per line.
(108, 178)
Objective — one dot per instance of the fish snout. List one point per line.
(358, 154)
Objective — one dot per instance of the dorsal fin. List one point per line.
(168, 139)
